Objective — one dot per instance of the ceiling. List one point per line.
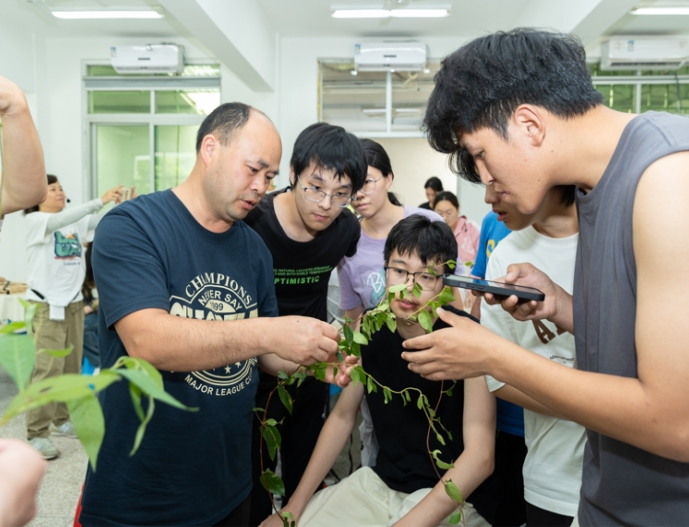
(311, 18)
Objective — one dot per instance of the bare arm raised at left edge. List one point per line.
(24, 182)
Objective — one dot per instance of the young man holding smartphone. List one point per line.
(518, 112)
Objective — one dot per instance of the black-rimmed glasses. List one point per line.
(427, 281)
(316, 196)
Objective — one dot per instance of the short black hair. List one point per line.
(333, 148)
(51, 179)
(377, 157)
(225, 121)
(482, 83)
(435, 183)
(446, 195)
(431, 241)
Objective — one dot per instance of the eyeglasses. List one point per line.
(426, 280)
(369, 186)
(445, 214)
(316, 196)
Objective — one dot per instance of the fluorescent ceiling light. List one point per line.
(105, 14)
(361, 13)
(661, 11)
(387, 13)
(419, 13)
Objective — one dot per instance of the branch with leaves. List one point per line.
(350, 344)
(78, 392)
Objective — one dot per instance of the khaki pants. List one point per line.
(364, 500)
(55, 334)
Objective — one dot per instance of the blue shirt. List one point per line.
(492, 231)
(192, 468)
(510, 417)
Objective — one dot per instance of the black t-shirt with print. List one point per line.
(302, 269)
(403, 462)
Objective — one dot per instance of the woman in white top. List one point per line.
(56, 274)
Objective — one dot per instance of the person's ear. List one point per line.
(209, 148)
(292, 177)
(528, 122)
(389, 178)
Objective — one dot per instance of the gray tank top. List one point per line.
(621, 484)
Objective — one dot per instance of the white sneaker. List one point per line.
(45, 447)
(65, 430)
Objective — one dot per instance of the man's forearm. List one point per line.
(511, 394)
(24, 178)
(619, 407)
(178, 344)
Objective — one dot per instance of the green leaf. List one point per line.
(12, 327)
(257, 410)
(370, 385)
(271, 422)
(387, 395)
(135, 394)
(339, 356)
(285, 397)
(287, 519)
(360, 339)
(282, 375)
(440, 439)
(348, 335)
(354, 374)
(273, 439)
(426, 321)
(62, 388)
(451, 264)
(416, 290)
(391, 323)
(355, 349)
(419, 402)
(446, 296)
(441, 464)
(452, 491)
(134, 363)
(272, 483)
(29, 312)
(406, 395)
(149, 386)
(448, 392)
(456, 518)
(17, 355)
(87, 418)
(59, 353)
(397, 288)
(142, 427)
(319, 370)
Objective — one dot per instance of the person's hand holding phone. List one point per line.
(556, 307)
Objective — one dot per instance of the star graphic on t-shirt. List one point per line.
(238, 364)
(227, 369)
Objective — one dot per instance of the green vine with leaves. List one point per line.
(78, 392)
(350, 344)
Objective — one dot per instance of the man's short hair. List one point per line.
(432, 241)
(333, 148)
(434, 183)
(224, 122)
(482, 84)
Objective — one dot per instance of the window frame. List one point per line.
(152, 119)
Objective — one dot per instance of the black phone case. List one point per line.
(456, 281)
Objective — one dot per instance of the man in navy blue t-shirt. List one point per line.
(187, 286)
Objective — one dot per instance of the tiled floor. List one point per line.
(59, 493)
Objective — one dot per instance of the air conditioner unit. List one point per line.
(151, 58)
(387, 56)
(644, 53)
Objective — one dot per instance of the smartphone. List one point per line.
(127, 193)
(495, 288)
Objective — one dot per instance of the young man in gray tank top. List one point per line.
(517, 111)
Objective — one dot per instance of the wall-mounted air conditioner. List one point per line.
(151, 58)
(386, 56)
(644, 53)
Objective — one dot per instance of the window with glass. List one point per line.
(142, 129)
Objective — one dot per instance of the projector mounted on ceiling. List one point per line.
(390, 56)
(644, 53)
(151, 58)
